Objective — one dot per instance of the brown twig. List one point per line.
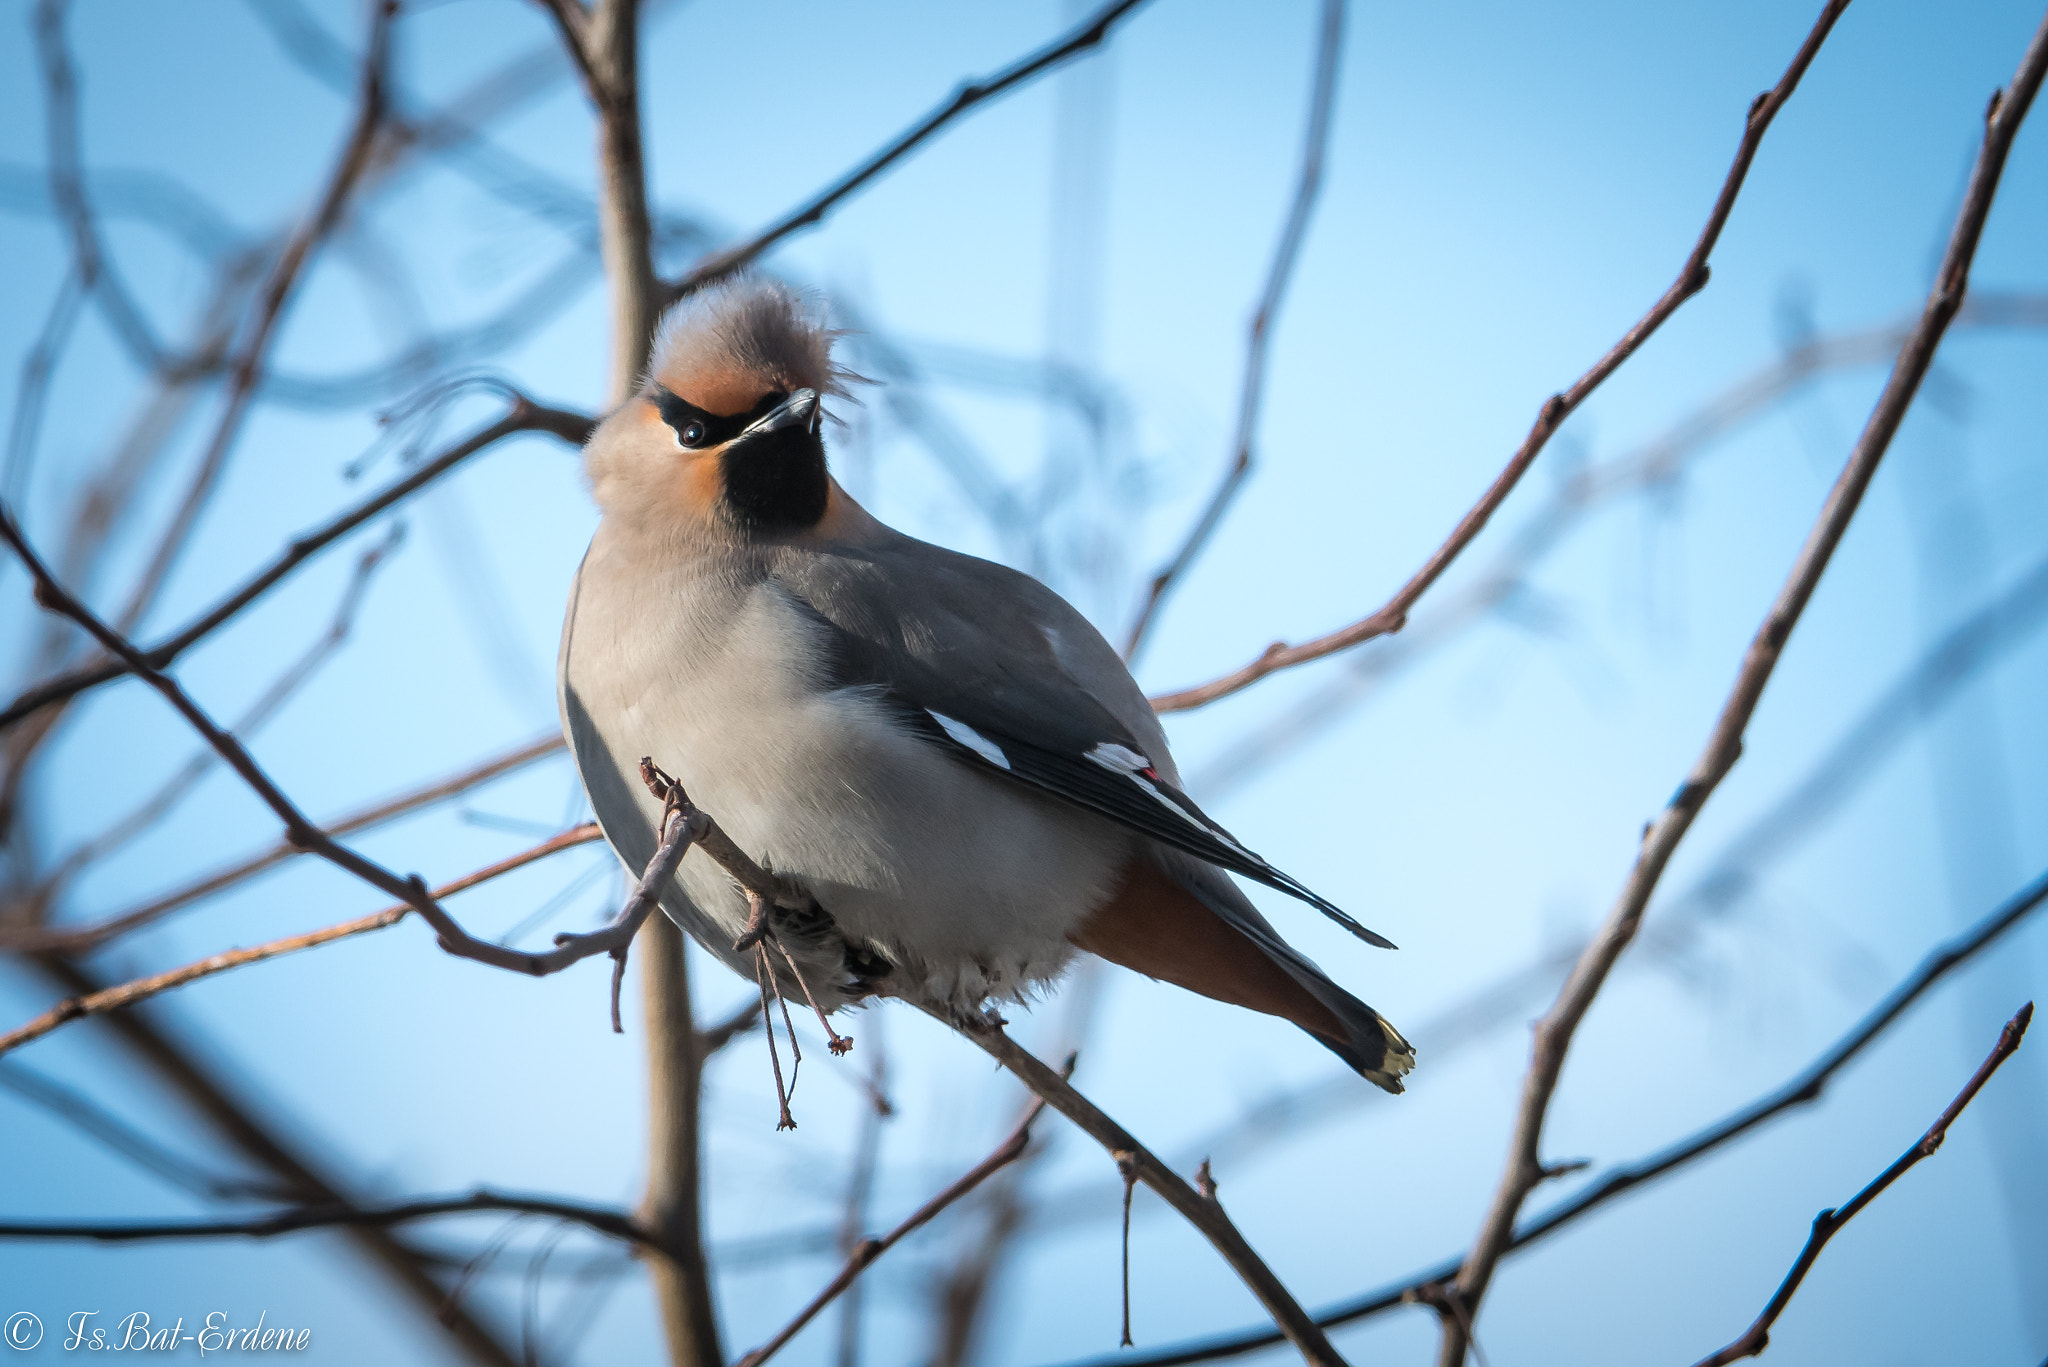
(1662, 835)
(1692, 278)
(1654, 465)
(180, 1063)
(1252, 389)
(524, 416)
(868, 1250)
(762, 974)
(1089, 33)
(302, 833)
(152, 810)
(80, 939)
(1829, 1222)
(603, 1220)
(67, 187)
(714, 1038)
(1205, 1215)
(1804, 1090)
(860, 1190)
(964, 1300)
(140, 989)
(285, 275)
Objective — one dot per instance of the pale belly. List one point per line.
(965, 883)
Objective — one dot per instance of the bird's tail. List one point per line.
(1184, 922)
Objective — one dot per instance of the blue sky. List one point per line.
(1508, 188)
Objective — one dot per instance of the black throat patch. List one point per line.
(774, 482)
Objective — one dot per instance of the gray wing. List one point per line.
(1002, 672)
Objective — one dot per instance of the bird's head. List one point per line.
(725, 433)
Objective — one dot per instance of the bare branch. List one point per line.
(158, 805)
(181, 1065)
(277, 291)
(714, 1038)
(94, 270)
(128, 993)
(1829, 1222)
(573, 18)
(298, 829)
(80, 939)
(1091, 32)
(33, 389)
(1653, 465)
(1205, 1215)
(524, 416)
(1804, 1090)
(1692, 278)
(1252, 391)
(601, 1219)
(868, 1250)
(1662, 835)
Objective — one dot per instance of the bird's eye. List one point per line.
(693, 434)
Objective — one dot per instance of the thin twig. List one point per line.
(1829, 1222)
(1127, 1169)
(860, 1190)
(1803, 1090)
(868, 1250)
(1655, 465)
(81, 939)
(286, 273)
(309, 837)
(181, 1063)
(524, 416)
(146, 815)
(1662, 835)
(714, 1038)
(1205, 1215)
(67, 188)
(141, 989)
(1692, 278)
(1252, 390)
(1090, 32)
(615, 1224)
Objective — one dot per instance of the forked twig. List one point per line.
(1829, 1222)
(1663, 834)
(81, 939)
(1692, 278)
(868, 1250)
(1204, 1214)
(1808, 1087)
(524, 416)
(141, 989)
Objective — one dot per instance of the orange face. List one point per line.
(722, 450)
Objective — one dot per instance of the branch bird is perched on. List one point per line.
(939, 753)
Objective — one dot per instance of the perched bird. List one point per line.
(939, 751)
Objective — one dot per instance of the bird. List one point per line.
(945, 758)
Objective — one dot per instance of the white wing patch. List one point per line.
(971, 738)
(1121, 758)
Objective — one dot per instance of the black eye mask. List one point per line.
(698, 430)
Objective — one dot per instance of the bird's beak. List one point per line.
(800, 409)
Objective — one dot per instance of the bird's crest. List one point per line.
(725, 346)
